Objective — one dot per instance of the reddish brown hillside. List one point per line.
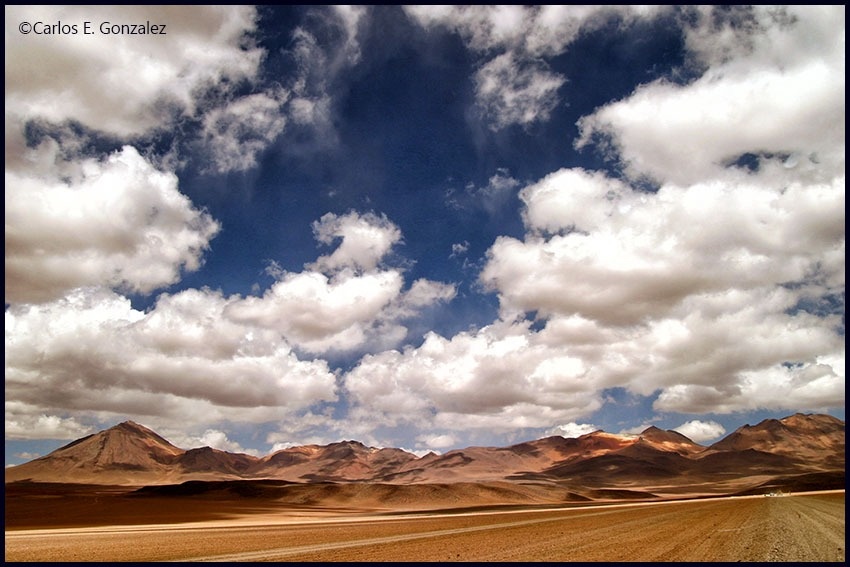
(656, 461)
(338, 462)
(816, 439)
(124, 454)
(215, 463)
(671, 441)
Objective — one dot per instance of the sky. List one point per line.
(420, 227)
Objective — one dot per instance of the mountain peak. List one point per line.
(669, 440)
(131, 454)
(800, 435)
(132, 426)
(653, 432)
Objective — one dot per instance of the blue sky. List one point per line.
(421, 227)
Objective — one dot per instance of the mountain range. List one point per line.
(800, 450)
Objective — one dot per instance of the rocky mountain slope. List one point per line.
(656, 461)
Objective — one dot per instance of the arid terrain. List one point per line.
(770, 492)
(799, 527)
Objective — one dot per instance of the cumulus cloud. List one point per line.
(78, 218)
(698, 294)
(514, 85)
(344, 300)
(720, 290)
(572, 429)
(499, 378)
(92, 352)
(483, 27)
(117, 222)
(25, 422)
(497, 194)
(436, 441)
(776, 87)
(365, 240)
(700, 287)
(307, 429)
(319, 314)
(350, 18)
(701, 431)
(702, 310)
(25, 456)
(202, 74)
(200, 356)
(620, 256)
(815, 385)
(124, 88)
(494, 198)
(424, 292)
(218, 440)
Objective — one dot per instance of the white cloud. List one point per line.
(436, 441)
(199, 357)
(516, 92)
(25, 456)
(536, 30)
(318, 64)
(350, 17)
(124, 88)
(319, 314)
(343, 301)
(118, 222)
(425, 292)
(495, 198)
(687, 288)
(499, 192)
(365, 240)
(236, 133)
(696, 287)
(91, 353)
(499, 378)
(25, 422)
(483, 27)
(815, 385)
(515, 86)
(689, 293)
(459, 249)
(311, 428)
(626, 255)
(772, 35)
(779, 89)
(193, 75)
(593, 200)
(205, 71)
(572, 429)
(218, 440)
(701, 431)
(315, 112)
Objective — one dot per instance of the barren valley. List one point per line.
(769, 492)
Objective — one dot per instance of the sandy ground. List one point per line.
(800, 527)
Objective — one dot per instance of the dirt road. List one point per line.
(805, 527)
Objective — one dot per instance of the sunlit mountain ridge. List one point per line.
(657, 461)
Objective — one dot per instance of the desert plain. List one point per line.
(773, 492)
(464, 522)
